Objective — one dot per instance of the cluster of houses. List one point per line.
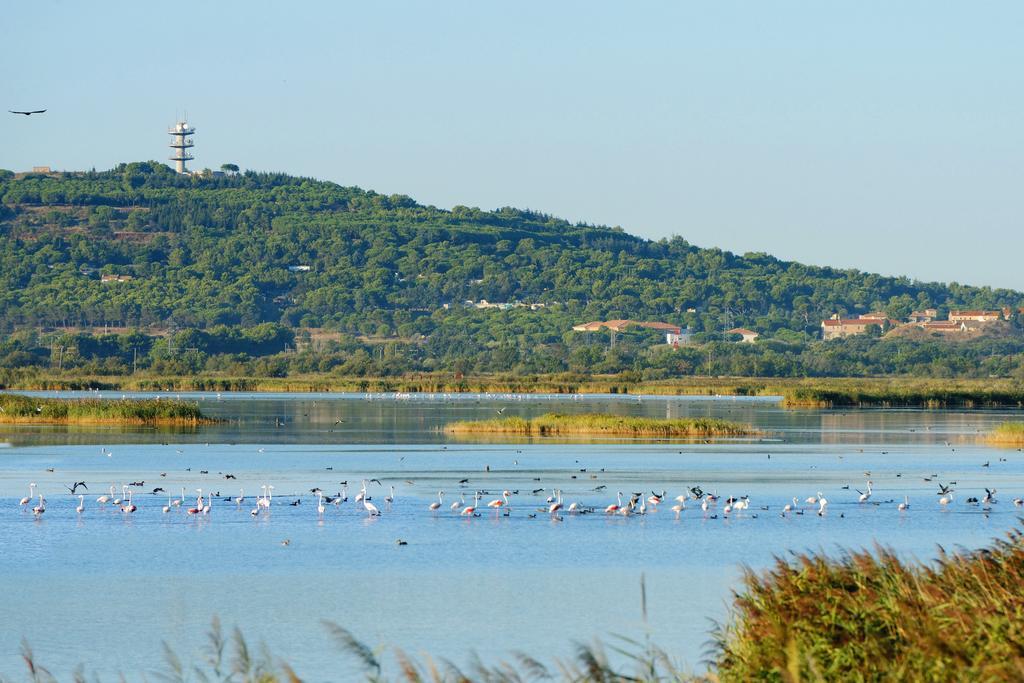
(501, 306)
(674, 334)
(957, 322)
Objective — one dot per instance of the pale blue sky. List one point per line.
(887, 136)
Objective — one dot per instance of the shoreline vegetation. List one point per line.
(18, 409)
(856, 616)
(553, 424)
(1008, 434)
(836, 392)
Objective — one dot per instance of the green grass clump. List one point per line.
(553, 424)
(1009, 433)
(919, 395)
(870, 617)
(16, 408)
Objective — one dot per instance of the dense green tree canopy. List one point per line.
(221, 252)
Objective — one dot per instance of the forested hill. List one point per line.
(217, 250)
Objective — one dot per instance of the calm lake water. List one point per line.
(105, 589)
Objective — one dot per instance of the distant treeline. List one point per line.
(462, 348)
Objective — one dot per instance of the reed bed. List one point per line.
(871, 617)
(555, 424)
(896, 395)
(15, 408)
(1008, 434)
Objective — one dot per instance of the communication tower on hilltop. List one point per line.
(181, 143)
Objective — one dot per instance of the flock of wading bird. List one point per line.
(637, 503)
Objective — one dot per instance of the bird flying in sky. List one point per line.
(27, 113)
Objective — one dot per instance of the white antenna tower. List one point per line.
(181, 143)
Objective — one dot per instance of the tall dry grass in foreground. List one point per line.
(859, 617)
(872, 617)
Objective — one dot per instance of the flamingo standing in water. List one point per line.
(176, 503)
(499, 503)
(459, 503)
(106, 499)
(241, 497)
(557, 505)
(31, 494)
(390, 498)
(320, 504)
(789, 507)
(124, 495)
(81, 505)
(129, 506)
(199, 504)
(167, 508)
(822, 502)
(440, 501)
(905, 505)
(616, 506)
(209, 504)
(41, 508)
(470, 509)
(370, 508)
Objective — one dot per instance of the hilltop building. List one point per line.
(975, 316)
(836, 327)
(748, 335)
(925, 316)
(673, 333)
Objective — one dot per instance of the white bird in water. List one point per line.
(557, 505)
(822, 503)
(167, 508)
(946, 499)
(106, 499)
(440, 500)
(616, 506)
(81, 505)
(241, 497)
(865, 495)
(320, 504)
(370, 508)
(905, 505)
(470, 509)
(31, 494)
(813, 500)
(459, 503)
(41, 508)
(390, 498)
(788, 507)
(499, 503)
